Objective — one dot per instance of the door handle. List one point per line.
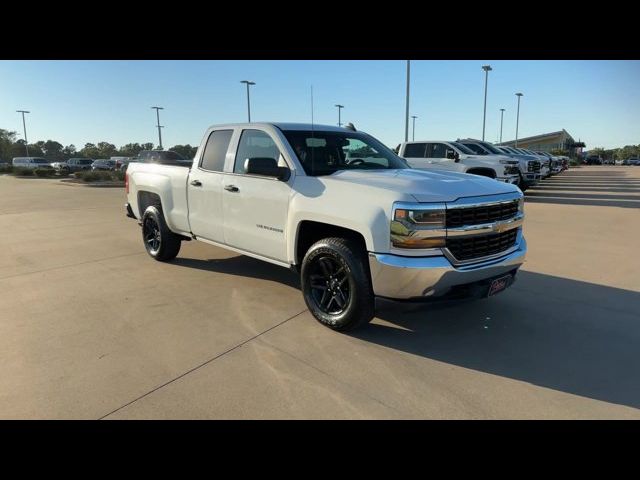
(231, 188)
(196, 183)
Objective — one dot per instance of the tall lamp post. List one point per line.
(406, 117)
(340, 107)
(157, 109)
(413, 137)
(24, 127)
(487, 69)
(501, 119)
(518, 117)
(248, 101)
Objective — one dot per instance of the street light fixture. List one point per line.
(487, 69)
(248, 102)
(501, 119)
(414, 127)
(24, 126)
(158, 125)
(340, 107)
(518, 117)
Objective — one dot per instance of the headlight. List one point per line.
(521, 205)
(418, 228)
(511, 170)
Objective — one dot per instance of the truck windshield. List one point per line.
(323, 153)
(463, 148)
(491, 148)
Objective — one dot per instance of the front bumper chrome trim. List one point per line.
(398, 277)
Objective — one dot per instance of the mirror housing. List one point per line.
(267, 167)
(451, 154)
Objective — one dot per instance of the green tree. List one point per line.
(69, 151)
(52, 150)
(7, 139)
(130, 150)
(90, 151)
(187, 151)
(147, 146)
(106, 149)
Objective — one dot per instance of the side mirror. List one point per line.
(453, 155)
(267, 167)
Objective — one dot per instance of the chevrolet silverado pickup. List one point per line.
(455, 157)
(340, 209)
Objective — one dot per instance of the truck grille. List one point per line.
(459, 217)
(477, 246)
(534, 166)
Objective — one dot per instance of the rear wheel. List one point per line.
(160, 242)
(336, 284)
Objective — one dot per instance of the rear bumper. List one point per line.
(433, 278)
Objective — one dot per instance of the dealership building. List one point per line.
(546, 142)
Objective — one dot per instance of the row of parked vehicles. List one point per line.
(113, 164)
(518, 166)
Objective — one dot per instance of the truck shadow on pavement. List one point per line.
(242, 266)
(571, 336)
(599, 188)
(575, 337)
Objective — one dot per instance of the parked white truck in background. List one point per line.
(339, 208)
(455, 157)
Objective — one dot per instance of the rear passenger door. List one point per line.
(204, 188)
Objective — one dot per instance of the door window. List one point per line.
(215, 150)
(254, 144)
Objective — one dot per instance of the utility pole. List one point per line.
(406, 119)
(158, 125)
(248, 101)
(340, 107)
(487, 69)
(24, 127)
(413, 137)
(518, 117)
(501, 119)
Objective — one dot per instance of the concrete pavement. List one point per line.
(91, 327)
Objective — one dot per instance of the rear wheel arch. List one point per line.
(483, 172)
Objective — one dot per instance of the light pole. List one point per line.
(406, 118)
(487, 69)
(24, 127)
(518, 117)
(414, 127)
(340, 107)
(159, 126)
(501, 119)
(248, 102)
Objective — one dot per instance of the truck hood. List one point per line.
(423, 185)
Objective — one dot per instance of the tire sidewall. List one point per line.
(153, 213)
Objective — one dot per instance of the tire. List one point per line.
(160, 242)
(522, 184)
(336, 284)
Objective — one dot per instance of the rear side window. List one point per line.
(415, 150)
(438, 150)
(254, 144)
(215, 150)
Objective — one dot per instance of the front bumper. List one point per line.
(429, 278)
(513, 179)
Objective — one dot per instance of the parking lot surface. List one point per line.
(91, 327)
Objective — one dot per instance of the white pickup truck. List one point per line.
(455, 157)
(338, 207)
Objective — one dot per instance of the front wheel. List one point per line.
(336, 284)
(160, 242)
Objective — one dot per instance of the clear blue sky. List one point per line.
(91, 101)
